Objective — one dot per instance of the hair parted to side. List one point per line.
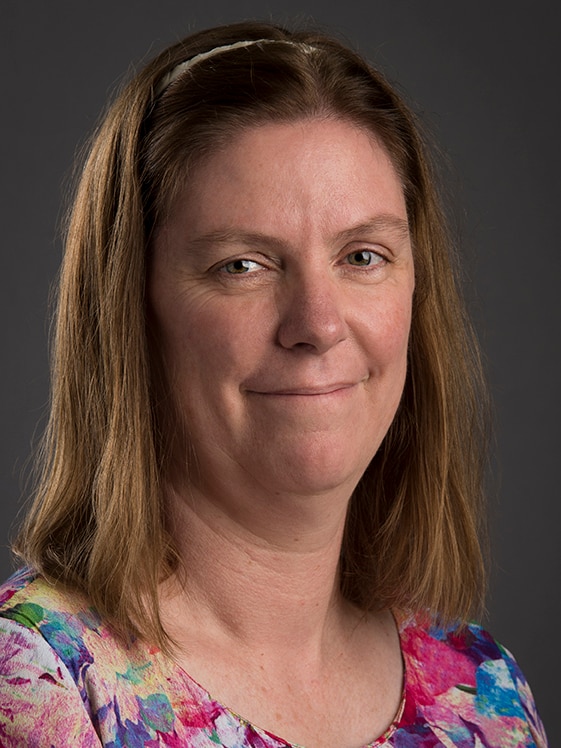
(98, 522)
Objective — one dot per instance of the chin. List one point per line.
(319, 473)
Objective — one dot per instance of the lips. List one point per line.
(310, 391)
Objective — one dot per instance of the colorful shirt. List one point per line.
(65, 680)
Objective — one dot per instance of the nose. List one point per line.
(312, 315)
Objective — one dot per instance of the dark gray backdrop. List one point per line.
(485, 76)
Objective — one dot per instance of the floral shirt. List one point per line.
(65, 680)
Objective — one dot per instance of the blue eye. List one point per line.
(240, 267)
(364, 258)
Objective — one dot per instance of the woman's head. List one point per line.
(100, 489)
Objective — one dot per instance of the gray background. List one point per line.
(485, 77)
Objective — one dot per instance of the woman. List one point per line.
(262, 472)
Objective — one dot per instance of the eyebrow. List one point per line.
(383, 223)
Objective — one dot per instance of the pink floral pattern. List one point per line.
(66, 681)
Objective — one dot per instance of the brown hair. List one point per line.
(98, 521)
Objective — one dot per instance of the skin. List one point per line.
(280, 296)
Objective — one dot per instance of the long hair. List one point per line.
(98, 521)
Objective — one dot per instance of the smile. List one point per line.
(313, 391)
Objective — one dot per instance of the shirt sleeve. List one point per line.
(535, 724)
(40, 704)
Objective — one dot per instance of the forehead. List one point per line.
(283, 174)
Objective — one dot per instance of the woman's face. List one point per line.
(280, 294)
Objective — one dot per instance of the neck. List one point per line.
(268, 579)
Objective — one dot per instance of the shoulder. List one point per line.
(66, 679)
(25, 592)
(42, 695)
(461, 676)
(55, 617)
(65, 675)
(63, 621)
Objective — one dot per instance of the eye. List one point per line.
(240, 267)
(364, 258)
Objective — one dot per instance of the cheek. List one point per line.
(388, 329)
(206, 339)
(398, 330)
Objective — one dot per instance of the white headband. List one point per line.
(183, 66)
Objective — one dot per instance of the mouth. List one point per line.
(307, 391)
